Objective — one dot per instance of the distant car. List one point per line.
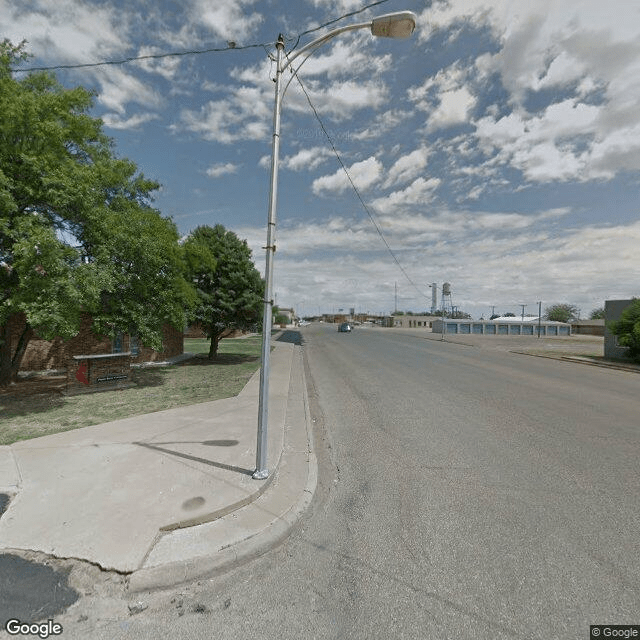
(345, 327)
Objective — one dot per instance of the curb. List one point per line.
(582, 360)
(282, 512)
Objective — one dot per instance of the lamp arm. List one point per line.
(322, 39)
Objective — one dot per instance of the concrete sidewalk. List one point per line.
(167, 496)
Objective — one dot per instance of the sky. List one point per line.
(496, 149)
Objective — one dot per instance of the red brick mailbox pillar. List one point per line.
(101, 372)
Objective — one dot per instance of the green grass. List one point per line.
(156, 388)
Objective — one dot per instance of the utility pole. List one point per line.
(396, 307)
(539, 317)
(523, 306)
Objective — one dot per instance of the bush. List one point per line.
(627, 329)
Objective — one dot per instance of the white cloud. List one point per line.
(306, 159)
(339, 100)
(382, 123)
(445, 97)
(453, 109)
(114, 121)
(338, 5)
(584, 50)
(221, 169)
(228, 19)
(66, 30)
(407, 167)
(509, 259)
(545, 147)
(166, 67)
(242, 116)
(363, 174)
(120, 88)
(419, 192)
(350, 55)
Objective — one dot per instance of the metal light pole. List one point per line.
(392, 25)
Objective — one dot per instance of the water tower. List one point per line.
(446, 298)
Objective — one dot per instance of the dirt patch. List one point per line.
(35, 385)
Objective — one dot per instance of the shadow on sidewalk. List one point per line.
(186, 456)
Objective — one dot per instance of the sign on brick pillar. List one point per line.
(102, 372)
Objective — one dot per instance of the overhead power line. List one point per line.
(155, 56)
(231, 46)
(357, 192)
(330, 22)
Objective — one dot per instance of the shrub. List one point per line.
(627, 329)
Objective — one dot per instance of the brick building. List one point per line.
(55, 354)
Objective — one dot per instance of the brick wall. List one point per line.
(172, 345)
(54, 354)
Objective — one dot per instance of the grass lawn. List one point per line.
(29, 415)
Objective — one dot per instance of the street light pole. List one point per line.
(392, 25)
(261, 471)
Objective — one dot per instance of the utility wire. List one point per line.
(155, 56)
(230, 47)
(357, 192)
(330, 22)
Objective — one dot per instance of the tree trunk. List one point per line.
(23, 343)
(5, 353)
(213, 348)
(9, 366)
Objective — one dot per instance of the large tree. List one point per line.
(561, 312)
(229, 288)
(77, 230)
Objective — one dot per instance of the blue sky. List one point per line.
(497, 149)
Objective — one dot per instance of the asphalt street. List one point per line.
(464, 493)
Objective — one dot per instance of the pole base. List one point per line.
(260, 474)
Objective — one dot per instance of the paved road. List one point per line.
(464, 493)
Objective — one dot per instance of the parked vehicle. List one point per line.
(345, 327)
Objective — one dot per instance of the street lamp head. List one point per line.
(394, 25)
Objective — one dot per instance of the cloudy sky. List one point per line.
(497, 149)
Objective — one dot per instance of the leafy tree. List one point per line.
(597, 314)
(229, 288)
(627, 329)
(77, 230)
(561, 312)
